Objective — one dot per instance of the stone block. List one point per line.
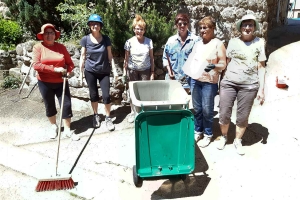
(4, 54)
(74, 82)
(243, 3)
(19, 49)
(222, 2)
(15, 72)
(24, 69)
(233, 3)
(76, 62)
(240, 12)
(228, 14)
(81, 93)
(29, 54)
(29, 45)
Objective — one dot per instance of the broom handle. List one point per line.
(60, 119)
(21, 87)
(169, 62)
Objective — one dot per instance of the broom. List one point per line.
(57, 182)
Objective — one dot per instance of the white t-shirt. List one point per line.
(201, 56)
(139, 58)
(243, 67)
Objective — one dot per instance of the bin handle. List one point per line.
(186, 105)
(142, 107)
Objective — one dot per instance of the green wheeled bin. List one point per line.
(164, 130)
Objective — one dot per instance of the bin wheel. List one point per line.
(183, 177)
(138, 181)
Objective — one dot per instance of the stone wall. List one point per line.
(228, 12)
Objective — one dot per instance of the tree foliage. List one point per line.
(76, 15)
(118, 16)
(33, 14)
(71, 16)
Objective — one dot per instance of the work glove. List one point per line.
(209, 67)
(60, 70)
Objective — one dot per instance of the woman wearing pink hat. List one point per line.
(51, 59)
(244, 79)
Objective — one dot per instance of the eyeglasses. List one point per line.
(49, 33)
(203, 27)
(245, 25)
(138, 29)
(182, 24)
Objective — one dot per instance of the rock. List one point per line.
(81, 93)
(74, 82)
(227, 14)
(19, 49)
(29, 45)
(15, 72)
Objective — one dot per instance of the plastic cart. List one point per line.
(164, 130)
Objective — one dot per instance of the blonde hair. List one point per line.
(138, 21)
(208, 21)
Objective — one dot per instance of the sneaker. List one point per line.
(72, 135)
(53, 131)
(96, 121)
(130, 118)
(109, 125)
(238, 145)
(197, 136)
(205, 141)
(221, 143)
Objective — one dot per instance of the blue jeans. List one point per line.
(191, 83)
(203, 96)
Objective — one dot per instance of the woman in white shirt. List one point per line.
(207, 60)
(139, 61)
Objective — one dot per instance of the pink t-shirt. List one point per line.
(46, 58)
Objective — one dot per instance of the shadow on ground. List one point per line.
(254, 133)
(193, 185)
(82, 124)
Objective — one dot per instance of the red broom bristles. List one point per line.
(55, 185)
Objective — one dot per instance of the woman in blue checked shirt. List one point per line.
(177, 50)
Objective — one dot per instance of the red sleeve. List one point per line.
(68, 60)
(36, 60)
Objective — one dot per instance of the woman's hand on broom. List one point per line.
(60, 70)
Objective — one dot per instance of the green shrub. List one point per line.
(158, 29)
(11, 81)
(7, 47)
(118, 16)
(10, 32)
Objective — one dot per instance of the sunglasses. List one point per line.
(203, 27)
(245, 25)
(182, 24)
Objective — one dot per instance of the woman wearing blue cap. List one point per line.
(96, 62)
